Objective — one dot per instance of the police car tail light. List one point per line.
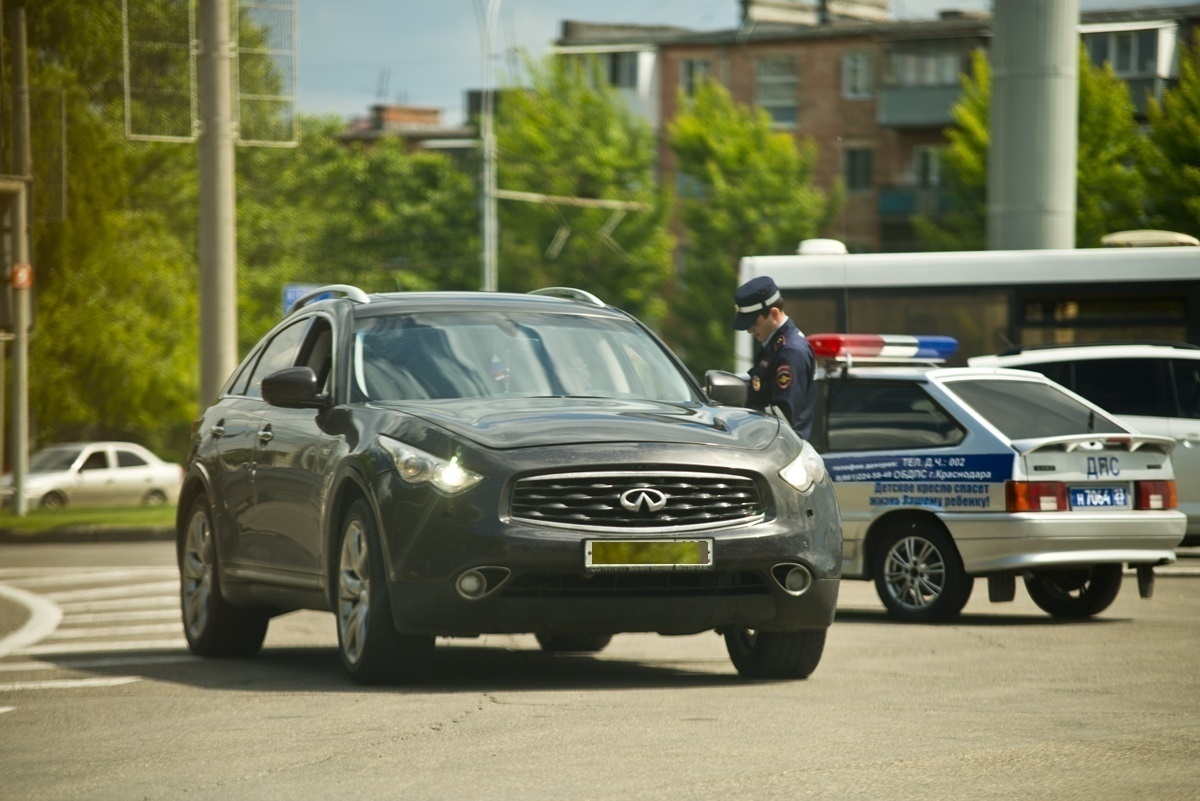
(1035, 496)
(882, 346)
(1156, 495)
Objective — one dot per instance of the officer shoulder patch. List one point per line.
(783, 376)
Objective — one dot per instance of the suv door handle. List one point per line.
(265, 434)
(217, 431)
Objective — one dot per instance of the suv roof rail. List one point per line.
(570, 293)
(352, 293)
(1158, 343)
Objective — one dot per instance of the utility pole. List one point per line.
(22, 270)
(218, 245)
(488, 133)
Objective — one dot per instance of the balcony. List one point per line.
(899, 201)
(917, 106)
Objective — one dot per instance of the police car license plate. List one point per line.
(1099, 498)
(647, 554)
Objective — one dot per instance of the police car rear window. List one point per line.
(1029, 409)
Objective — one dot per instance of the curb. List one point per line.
(69, 534)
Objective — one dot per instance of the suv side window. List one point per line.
(280, 352)
(886, 415)
(1125, 386)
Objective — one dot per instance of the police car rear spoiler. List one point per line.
(1096, 442)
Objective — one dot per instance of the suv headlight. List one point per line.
(415, 466)
(805, 470)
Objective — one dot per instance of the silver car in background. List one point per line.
(97, 474)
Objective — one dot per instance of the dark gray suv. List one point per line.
(455, 464)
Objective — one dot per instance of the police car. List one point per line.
(944, 475)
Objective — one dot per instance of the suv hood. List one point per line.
(531, 422)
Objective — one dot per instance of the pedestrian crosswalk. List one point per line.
(85, 624)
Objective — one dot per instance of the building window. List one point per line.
(858, 169)
(858, 79)
(692, 72)
(927, 66)
(927, 163)
(621, 69)
(775, 88)
(1131, 53)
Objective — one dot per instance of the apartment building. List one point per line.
(875, 94)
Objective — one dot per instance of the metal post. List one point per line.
(218, 246)
(488, 132)
(22, 273)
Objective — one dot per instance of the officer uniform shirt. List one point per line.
(781, 381)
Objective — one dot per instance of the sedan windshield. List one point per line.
(53, 459)
(1030, 409)
(440, 355)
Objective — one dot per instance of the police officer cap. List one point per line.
(752, 299)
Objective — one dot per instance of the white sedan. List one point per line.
(95, 474)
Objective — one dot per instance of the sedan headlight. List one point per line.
(415, 466)
(805, 470)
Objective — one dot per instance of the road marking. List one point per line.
(107, 662)
(44, 617)
(169, 613)
(154, 601)
(98, 593)
(102, 647)
(83, 632)
(68, 684)
(28, 579)
(4, 709)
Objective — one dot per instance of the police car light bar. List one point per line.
(890, 347)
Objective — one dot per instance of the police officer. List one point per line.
(781, 381)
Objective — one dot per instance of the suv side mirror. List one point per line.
(294, 388)
(727, 389)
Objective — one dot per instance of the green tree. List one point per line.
(113, 350)
(372, 215)
(1110, 191)
(571, 135)
(755, 195)
(1171, 158)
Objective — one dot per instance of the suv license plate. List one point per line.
(647, 554)
(1099, 498)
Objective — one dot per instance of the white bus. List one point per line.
(988, 300)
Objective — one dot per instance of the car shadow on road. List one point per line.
(455, 669)
(975, 619)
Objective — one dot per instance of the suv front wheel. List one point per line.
(919, 575)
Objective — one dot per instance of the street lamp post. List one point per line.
(488, 133)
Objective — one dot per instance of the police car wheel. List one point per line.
(1075, 593)
(919, 575)
(775, 654)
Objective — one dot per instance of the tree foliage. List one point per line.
(1171, 158)
(113, 348)
(572, 136)
(372, 215)
(1110, 191)
(755, 195)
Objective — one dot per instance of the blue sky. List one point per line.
(355, 53)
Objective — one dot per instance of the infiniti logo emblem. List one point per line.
(643, 499)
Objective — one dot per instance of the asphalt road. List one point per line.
(1006, 703)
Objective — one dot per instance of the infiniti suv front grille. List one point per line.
(655, 501)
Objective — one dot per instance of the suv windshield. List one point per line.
(1030, 409)
(443, 355)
